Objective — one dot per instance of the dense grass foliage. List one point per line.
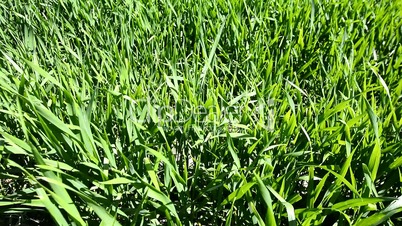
(201, 112)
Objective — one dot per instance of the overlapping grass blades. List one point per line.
(201, 112)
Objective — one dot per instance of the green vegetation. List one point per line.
(200, 112)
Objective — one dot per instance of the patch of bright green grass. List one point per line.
(201, 112)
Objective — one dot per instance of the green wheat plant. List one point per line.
(198, 112)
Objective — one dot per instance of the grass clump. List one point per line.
(201, 113)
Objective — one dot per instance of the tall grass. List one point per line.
(201, 112)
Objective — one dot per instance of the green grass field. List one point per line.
(200, 112)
